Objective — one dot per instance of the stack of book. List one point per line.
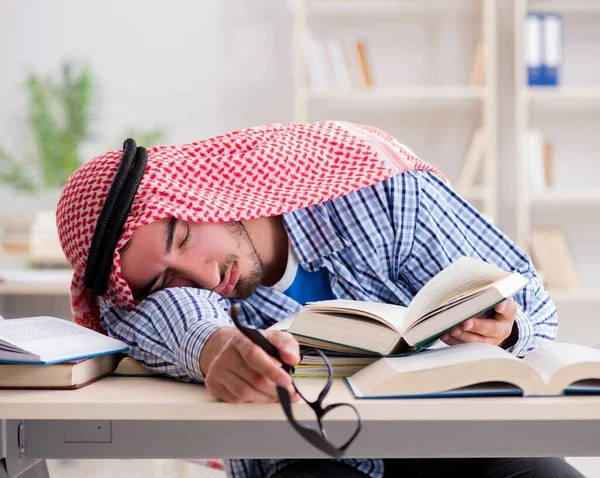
(343, 364)
(15, 232)
(53, 353)
(34, 238)
(349, 329)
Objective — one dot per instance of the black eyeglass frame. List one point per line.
(317, 438)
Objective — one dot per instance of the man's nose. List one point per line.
(203, 273)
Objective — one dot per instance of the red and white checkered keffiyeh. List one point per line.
(255, 172)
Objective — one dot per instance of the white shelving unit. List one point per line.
(431, 94)
(34, 289)
(558, 107)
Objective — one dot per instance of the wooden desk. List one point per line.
(161, 418)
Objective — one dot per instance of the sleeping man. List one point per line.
(164, 241)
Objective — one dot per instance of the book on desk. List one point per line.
(478, 369)
(48, 352)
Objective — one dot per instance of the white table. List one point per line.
(161, 418)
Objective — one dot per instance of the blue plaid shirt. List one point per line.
(381, 243)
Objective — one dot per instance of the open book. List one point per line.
(467, 288)
(481, 369)
(49, 340)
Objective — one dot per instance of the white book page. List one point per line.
(463, 276)
(548, 359)
(390, 314)
(56, 339)
(283, 324)
(444, 357)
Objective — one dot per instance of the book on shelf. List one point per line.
(44, 245)
(50, 340)
(466, 288)
(474, 158)
(33, 237)
(336, 62)
(365, 66)
(539, 161)
(353, 62)
(477, 76)
(548, 163)
(339, 65)
(15, 233)
(481, 369)
(551, 254)
(320, 74)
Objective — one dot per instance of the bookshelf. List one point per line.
(34, 289)
(567, 116)
(438, 97)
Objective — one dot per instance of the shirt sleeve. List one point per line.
(445, 227)
(168, 330)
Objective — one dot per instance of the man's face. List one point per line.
(174, 253)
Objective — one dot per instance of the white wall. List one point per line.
(202, 67)
(154, 65)
(197, 68)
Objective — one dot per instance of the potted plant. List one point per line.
(59, 114)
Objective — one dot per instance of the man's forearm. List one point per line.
(169, 331)
(213, 347)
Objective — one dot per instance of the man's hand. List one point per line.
(237, 370)
(495, 330)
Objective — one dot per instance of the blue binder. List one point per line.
(543, 48)
(551, 49)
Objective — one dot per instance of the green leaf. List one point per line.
(147, 139)
(45, 130)
(14, 173)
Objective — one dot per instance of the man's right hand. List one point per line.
(237, 370)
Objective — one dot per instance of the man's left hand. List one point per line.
(494, 330)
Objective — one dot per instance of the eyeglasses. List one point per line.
(318, 438)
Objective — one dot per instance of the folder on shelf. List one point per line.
(535, 160)
(533, 48)
(477, 76)
(543, 48)
(339, 65)
(552, 49)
